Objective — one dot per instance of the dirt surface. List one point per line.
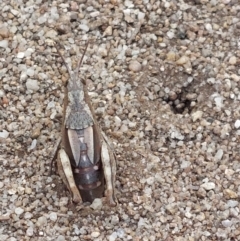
(163, 77)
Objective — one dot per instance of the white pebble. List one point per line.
(1, 93)
(54, 13)
(228, 112)
(51, 105)
(84, 27)
(102, 51)
(19, 211)
(4, 43)
(121, 233)
(20, 55)
(4, 134)
(12, 191)
(219, 155)
(28, 190)
(197, 115)
(234, 212)
(29, 51)
(13, 29)
(227, 223)
(185, 164)
(177, 135)
(1, 185)
(124, 128)
(15, 12)
(51, 34)
(28, 215)
(33, 145)
(141, 16)
(42, 221)
(94, 14)
(232, 203)
(95, 234)
(30, 72)
(188, 214)
(218, 99)
(132, 124)
(29, 231)
(170, 34)
(112, 237)
(135, 66)
(141, 222)
(208, 186)
(32, 84)
(183, 60)
(233, 60)
(96, 204)
(150, 180)
(108, 31)
(42, 19)
(118, 121)
(53, 216)
(60, 238)
(211, 80)
(208, 27)
(237, 124)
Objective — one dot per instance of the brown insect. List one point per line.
(86, 161)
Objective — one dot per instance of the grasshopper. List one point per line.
(86, 162)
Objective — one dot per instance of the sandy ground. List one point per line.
(163, 77)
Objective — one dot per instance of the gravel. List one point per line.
(163, 78)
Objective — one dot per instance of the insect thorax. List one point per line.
(78, 113)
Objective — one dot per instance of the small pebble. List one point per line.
(188, 215)
(4, 134)
(2, 93)
(4, 32)
(230, 194)
(232, 203)
(84, 27)
(28, 190)
(96, 204)
(33, 145)
(113, 236)
(108, 31)
(28, 215)
(135, 66)
(15, 12)
(208, 186)
(19, 210)
(227, 223)
(53, 216)
(219, 155)
(3, 44)
(32, 84)
(183, 60)
(237, 124)
(208, 27)
(201, 192)
(197, 115)
(233, 60)
(95, 234)
(36, 133)
(20, 55)
(211, 80)
(30, 231)
(30, 72)
(60, 238)
(42, 221)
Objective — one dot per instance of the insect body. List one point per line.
(86, 161)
